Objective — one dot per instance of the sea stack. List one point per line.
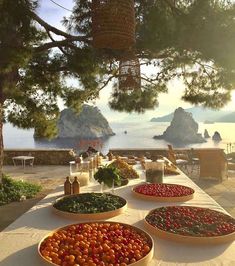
(206, 134)
(89, 123)
(216, 137)
(183, 129)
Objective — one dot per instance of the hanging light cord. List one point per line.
(61, 6)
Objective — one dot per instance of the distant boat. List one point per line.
(208, 122)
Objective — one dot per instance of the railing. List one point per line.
(230, 147)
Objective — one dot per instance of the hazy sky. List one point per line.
(53, 14)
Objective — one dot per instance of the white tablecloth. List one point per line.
(18, 242)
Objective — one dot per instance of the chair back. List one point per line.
(171, 154)
(191, 155)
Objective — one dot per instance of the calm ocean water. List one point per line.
(139, 135)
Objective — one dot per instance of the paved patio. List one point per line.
(52, 176)
(48, 176)
(223, 193)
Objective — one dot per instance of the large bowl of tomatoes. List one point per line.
(189, 224)
(90, 206)
(163, 192)
(97, 244)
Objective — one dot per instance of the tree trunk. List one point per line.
(1, 142)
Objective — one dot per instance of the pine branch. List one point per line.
(53, 40)
(107, 81)
(56, 31)
(54, 44)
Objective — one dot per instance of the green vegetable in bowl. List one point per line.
(90, 203)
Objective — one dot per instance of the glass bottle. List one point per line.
(110, 156)
(99, 160)
(76, 186)
(67, 186)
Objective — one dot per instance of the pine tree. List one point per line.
(193, 40)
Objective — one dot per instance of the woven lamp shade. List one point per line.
(113, 24)
(129, 74)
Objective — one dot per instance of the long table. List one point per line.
(18, 242)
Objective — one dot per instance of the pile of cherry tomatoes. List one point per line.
(191, 221)
(164, 190)
(95, 244)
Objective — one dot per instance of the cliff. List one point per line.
(90, 123)
(201, 114)
(183, 129)
(230, 118)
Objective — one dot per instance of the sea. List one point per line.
(127, 135)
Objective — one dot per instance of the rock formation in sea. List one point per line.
(89, 123)
(183, 129)
(206, 134)
(216, 136)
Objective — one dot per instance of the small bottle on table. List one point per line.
(76, 186)
(67, 186)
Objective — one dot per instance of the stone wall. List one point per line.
(139, 152)
(164, 152)
(41, 156)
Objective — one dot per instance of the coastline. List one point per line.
(139, 135)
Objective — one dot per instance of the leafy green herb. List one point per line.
(109, 175)
(90, 203)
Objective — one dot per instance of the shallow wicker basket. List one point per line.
(196, 240)
(113, 24)
(142, 262)
(162, 199)
(90, 216)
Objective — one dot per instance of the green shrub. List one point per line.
(12, 190)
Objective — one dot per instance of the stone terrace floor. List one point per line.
(52, 176)
(221, 192)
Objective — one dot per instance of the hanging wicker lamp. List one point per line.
(129, 74)
(113, 24)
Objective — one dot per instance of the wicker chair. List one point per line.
(179, 159)
(194, 162)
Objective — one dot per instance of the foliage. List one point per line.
(189, 40)
(193, 41)
(12, 190)
(109, 175)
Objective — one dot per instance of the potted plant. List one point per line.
(108, 175)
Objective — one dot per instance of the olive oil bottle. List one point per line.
(67, 186)
(76, 186)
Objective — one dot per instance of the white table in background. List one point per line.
(23, 160)
(19, 240)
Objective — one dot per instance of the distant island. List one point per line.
(229, 118)
(183, 129)
(88, 124)
(201, 114)
(208, 122)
